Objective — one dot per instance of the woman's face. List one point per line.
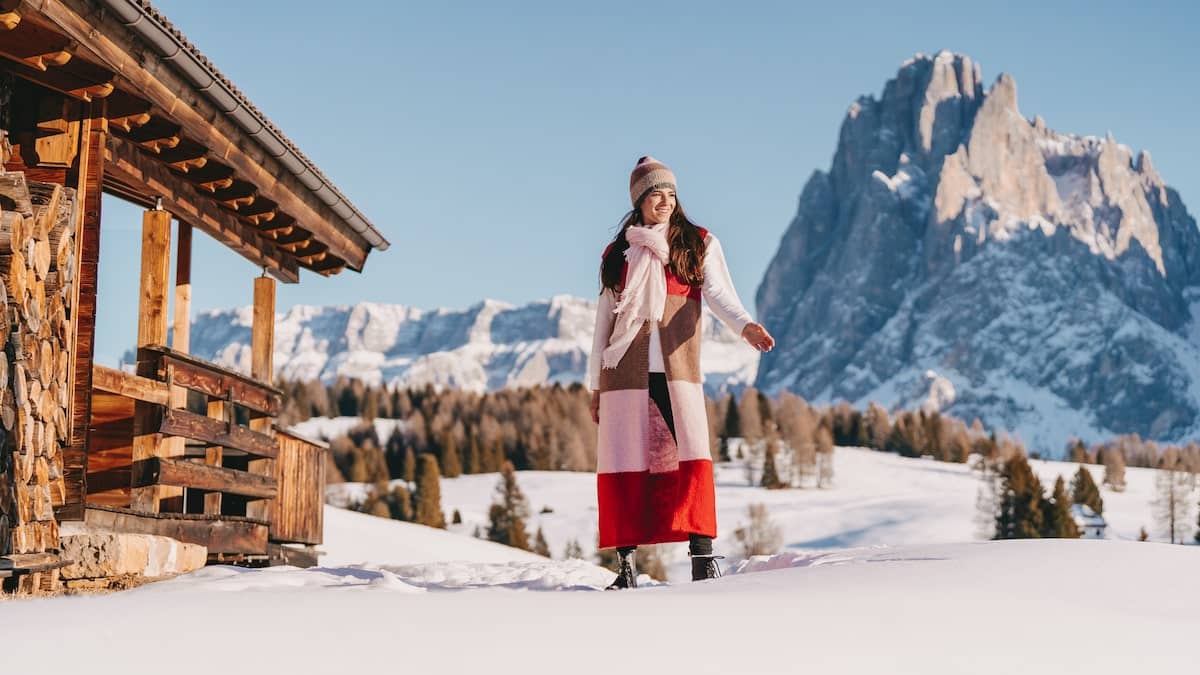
(658, 206)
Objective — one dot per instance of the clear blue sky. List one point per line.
(492, 145)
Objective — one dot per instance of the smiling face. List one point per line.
(658, 206)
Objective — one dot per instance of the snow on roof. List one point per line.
(1085, 516)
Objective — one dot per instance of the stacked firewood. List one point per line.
(37, 251)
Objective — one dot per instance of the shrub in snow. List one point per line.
(760, 536)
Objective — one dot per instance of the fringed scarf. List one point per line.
(645, 292)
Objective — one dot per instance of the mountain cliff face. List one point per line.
(489, 346)
(959, 256)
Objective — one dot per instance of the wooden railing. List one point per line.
(220, 458)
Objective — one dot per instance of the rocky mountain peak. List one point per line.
(1046, 276)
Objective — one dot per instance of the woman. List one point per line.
(654, 479)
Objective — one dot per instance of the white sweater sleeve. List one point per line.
(718, 289)
(604, 322)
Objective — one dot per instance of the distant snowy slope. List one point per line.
(878, 499)
(488, 346)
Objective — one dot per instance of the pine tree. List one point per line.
(347, 402)
(474, 455)
(1085, 491)
(1077, 452)
(733, 425)
(370, 406)
(456, 519)
(400, 502)
(1114, 469)
(1059, 522)
(770, 477)
(509, 512)
(540, 546)
(1019, 515)
(429, 493)
(451, 467)
(573, 550)
(1171, 504)
(409, 469)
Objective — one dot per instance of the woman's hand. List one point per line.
(595, 407)
(758, 337)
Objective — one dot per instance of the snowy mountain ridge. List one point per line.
(958, 256)
(490, 345)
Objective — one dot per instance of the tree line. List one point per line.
(785, 442)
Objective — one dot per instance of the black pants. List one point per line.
(698, 544)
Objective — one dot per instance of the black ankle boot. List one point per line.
(705, 566)
(626, 571)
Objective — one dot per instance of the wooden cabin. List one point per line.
(106, 96)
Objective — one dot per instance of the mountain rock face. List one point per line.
(961, 257)
(489, 346)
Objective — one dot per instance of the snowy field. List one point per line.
(879, 576)
(877, 499)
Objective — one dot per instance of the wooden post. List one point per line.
(152, 330)
(182, 323)
(262, 364)
(88, 180)
(181, 326)
(262, 337)
(213, 456)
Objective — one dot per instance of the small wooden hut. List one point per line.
(106, 96)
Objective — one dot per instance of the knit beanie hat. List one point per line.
(649, 174)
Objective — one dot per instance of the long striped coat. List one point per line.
(645, 494)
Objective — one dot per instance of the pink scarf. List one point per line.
(645, 292)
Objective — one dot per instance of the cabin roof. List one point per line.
(182, 132)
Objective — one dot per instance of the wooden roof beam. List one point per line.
(126, 112)
(186, 165)
(156, 145)
(211, 186)
(134, 168)
(167, 90)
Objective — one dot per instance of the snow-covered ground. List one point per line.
(877, 499)
(1048, 606)
(879, 576)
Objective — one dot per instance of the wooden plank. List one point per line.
(214, 454)
(215, 432)
(88, 178)
(28, 563)
(297, 512)
(213, 380)
(130, 386)
(223, 535)
(166, 471)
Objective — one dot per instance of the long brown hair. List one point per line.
(683, 238)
